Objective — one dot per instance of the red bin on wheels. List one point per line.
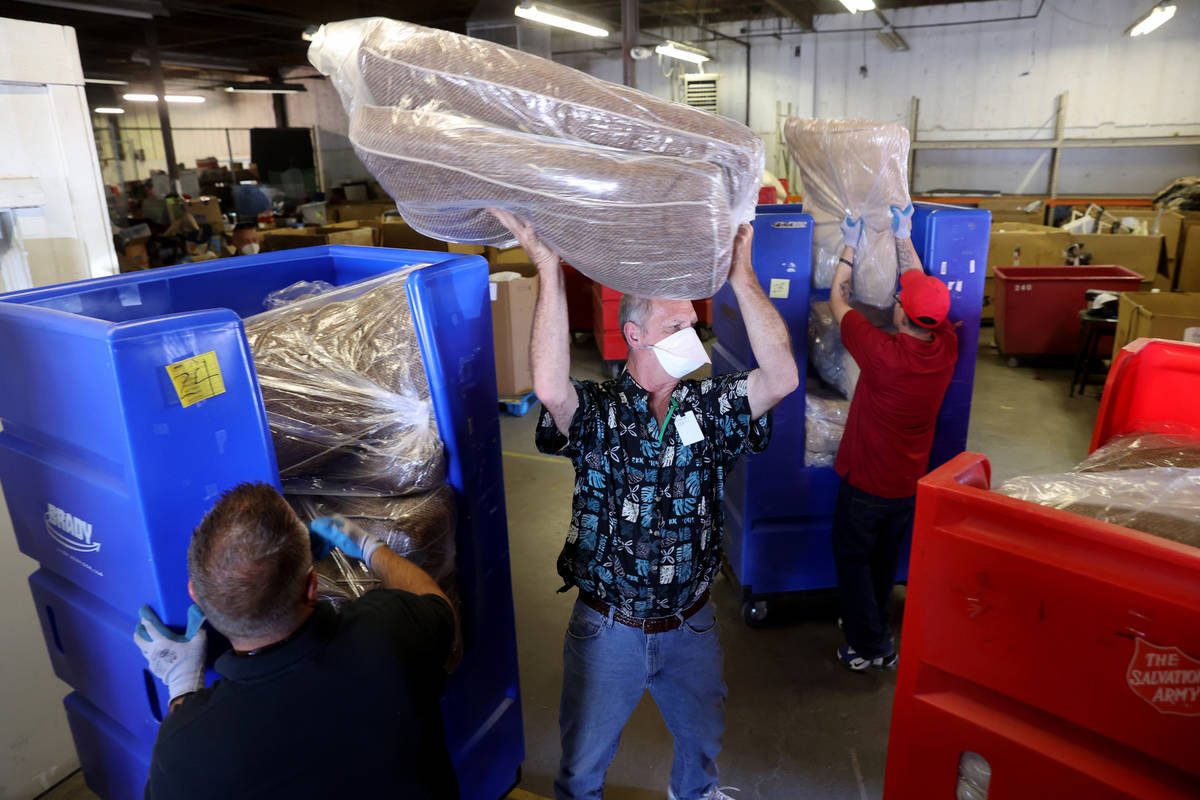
(1037, 308)
(606, 308)
(1050, 654)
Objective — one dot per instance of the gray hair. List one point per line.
(249, 560)
(634, 309)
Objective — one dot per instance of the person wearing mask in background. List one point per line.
(889, 433)
(651, 452)
(313, 702)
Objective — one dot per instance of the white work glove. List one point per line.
(176, 660)
(326, 533)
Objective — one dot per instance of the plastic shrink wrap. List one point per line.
(346, 393)
(855, 168)
(1149, 482)
(825, 416)
(639, 193)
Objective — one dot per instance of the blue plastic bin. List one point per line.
(106, 473)
(778, 512)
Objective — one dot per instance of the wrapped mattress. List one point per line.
(1146, 481)
(345, 392)
(825, 415)
(639, 193)
(853, 168)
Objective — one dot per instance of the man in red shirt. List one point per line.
(889, 433)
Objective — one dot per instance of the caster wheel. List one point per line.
(755, 612)
(1012, 362)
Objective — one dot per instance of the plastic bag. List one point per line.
(346, 393)
(855, 168)
(835, 366)
(418, 527)
(452, 125)
(300, 290)
(825, 417)
(1145, 480)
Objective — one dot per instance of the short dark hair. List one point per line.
(248, 561)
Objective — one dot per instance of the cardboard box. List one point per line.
(1142, 254)
(289, 238)
(206, 210)
(352, 211)
(1010, 208)
(512, 327)
(400, 234)
(989, 299)
(466, 249)
(1155, 316)
(512, 255)
(1014, 244)
(134, 256)
(373, 225)
(1187, 268)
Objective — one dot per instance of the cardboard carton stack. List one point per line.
(513, 301)
(1155, 316)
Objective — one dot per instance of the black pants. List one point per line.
(868, 532)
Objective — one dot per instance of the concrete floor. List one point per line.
(799, 725)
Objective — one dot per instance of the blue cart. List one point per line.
(106, 472)
(778, 512)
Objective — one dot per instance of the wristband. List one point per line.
(849, 264)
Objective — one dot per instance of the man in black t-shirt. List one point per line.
(313, 701)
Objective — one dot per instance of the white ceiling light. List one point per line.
(171, 98)
(891, 38)
(105, 110)
(106, 81)
(855, 6)
(266, 87)
(1151, 20)
(683, 52)
(549, 15)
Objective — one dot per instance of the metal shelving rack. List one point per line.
(1055, 145)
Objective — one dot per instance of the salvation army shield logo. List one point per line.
(1166, 678)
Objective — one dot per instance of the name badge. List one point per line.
(688, 428)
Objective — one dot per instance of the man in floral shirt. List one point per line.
(651, 452)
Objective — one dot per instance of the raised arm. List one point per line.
(839, 295)
(550, 347)
(776, 376)
(906, 254)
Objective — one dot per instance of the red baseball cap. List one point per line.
(926, 300)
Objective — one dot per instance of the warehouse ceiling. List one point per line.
(216, 39)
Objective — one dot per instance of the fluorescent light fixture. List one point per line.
(1151, 20)
(171, 98)
(265, 87)
(891, 39)
(104, 110)
(693, 55)
(309, 33)
(106, 81)
(559, 18)
(855, 6)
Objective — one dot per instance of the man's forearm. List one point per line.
(398, 572)
(906, 256)
(839, 295)
(550, 346)
(769, 341)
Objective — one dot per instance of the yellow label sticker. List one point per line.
(196, 378)
(780, 287)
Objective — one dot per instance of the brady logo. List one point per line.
(69, 531)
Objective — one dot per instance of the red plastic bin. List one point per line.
(606, 306)
(1063, 650)
(1037, 308)
(1151, 382)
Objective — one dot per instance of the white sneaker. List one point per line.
(717, 794)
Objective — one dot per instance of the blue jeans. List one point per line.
(607, 667)
(868, 532)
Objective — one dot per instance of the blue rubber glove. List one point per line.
(902, 221)
(343, 534)
(852, 231)
(176, 660)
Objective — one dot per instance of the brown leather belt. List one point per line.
(647, 624)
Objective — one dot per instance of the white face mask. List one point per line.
(680, 353)
(250, 248)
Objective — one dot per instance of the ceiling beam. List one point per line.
(797, 11)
